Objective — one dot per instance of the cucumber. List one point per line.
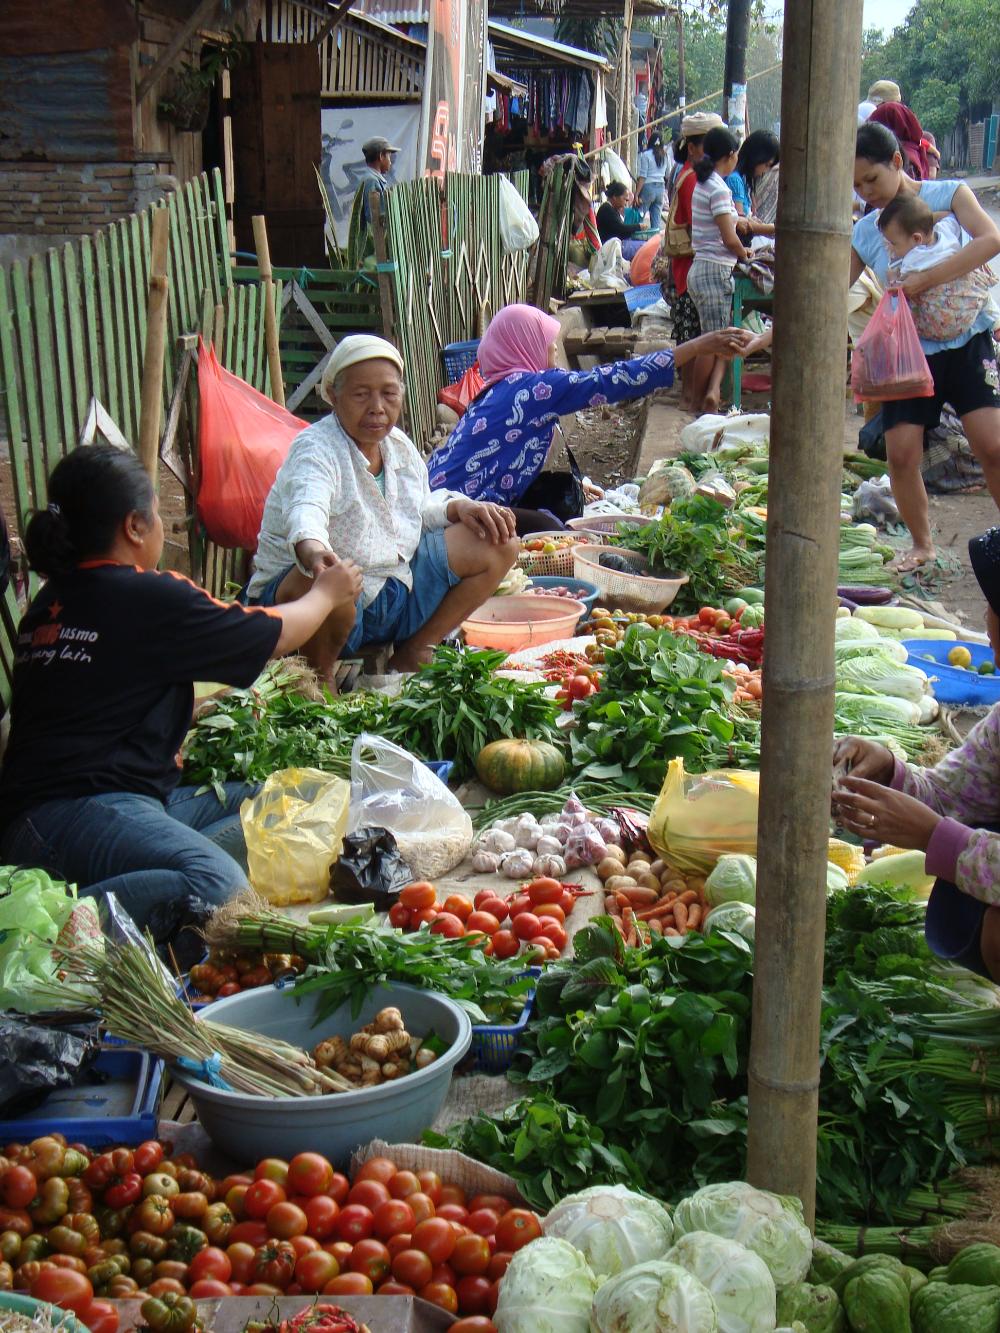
(755, 596)
(340, 914)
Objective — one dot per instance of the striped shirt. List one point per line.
(711, 199)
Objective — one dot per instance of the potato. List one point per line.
(657, 867)
(674, 883)
(609, 866)
(637, 865)
(646, 880)
(617, 882)
(614, 850)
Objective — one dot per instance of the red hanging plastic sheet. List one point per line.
(243, 438)
(459, 396)
(888, 362)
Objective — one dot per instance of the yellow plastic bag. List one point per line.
(699, 817)
(294, 829)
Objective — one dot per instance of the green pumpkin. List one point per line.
(878, 1301)
(514, 766)
(977, 1266)
(940, 1308)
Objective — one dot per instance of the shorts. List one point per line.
(953, 926)
(686, 324)
(397, 611)
(711, 288)
(966, 377)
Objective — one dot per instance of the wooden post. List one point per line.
(270, 316)
(151, 399)
(822, 42)
(385, 283)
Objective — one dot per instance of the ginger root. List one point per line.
(383, 1050)
(380, 1045)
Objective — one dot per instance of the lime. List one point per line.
(959, 657)
(986, 668)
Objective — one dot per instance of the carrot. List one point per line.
(668, 898)
(669, 930)
(638, 897)
(694, 916)
(689, 896)
(655, 927)
(681, 916)
(661, 912)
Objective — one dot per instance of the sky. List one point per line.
(886, 14)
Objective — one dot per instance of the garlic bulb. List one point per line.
(546, 846)
(485, 862)
(517, 864)
(497, 840)
(550, 865)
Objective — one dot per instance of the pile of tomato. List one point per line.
(534, 916)
(223, 974)
(79, 1230)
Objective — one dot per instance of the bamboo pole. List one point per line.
(270, 317)
(151, 391)
(822, 42)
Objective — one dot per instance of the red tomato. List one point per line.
(482, 1221)
(321, 1214)
(272, 1168)
(235, 1201)
(227, 989)
(436, 1238)
(567, 902)
(419, 895)
(208, 1288)
(552, 930)
(223, 1187)
(262, 1289)
(402, 1184)
(494, 1295)
(303, 1245)
(430, 1184)
(484, 921)
(241, 1257)
(349, 1284)
(483, 896)
(211, 1262)
(102, 1316)
(517, 1227)
(471, 1255)
(286, 1220)
(454, 1212)
(474, 1323)
(393, 1288)
(369, 1193)
(473, 1292)
(381, 1169)
(401, 917)
(261, 1197)
(18, 1186)
(458, 905)
(499, 1263)
(448, 925)
(393, 1217)
(505, 944)
(309, 1173)
(63, 1287)
(581, 687)
(495, 906)
(252, 1231)
(164, 1284)
(526, 925)
(340, 1188)
(341, 1251)
(371, 1258)
(355, 1223)
(396, 1244)
(423, 917)
(517, 905)
(314, 1271)
(422, 1206)
(544, 890)
(438, 1293)
(495, 1202)
(412, 1267)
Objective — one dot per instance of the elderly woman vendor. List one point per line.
(354, 488)
(950, 811)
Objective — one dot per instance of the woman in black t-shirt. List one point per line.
(106, 658)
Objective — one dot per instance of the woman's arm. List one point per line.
(858, 267)
(333, 586)
(727, 226)
(983, 247)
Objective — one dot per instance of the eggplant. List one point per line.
(611, 560)
(862, 595)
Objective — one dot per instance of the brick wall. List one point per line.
(50, 201)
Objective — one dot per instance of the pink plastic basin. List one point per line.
(520, 621)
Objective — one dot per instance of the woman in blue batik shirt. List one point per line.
(500, 444)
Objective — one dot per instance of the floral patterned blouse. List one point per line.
(500, 445)
(965, 788)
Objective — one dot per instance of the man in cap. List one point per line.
(375, 174)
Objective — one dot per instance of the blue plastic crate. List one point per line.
(638, 298)
(458, 358)
(123, 1109)
(493, 1045)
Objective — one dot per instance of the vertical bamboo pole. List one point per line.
(822, 42)
(270, 318)
(151, 392)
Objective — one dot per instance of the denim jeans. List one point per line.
(143, 851)
(652, 198)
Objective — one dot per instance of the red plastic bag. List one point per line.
(458, 396)
(888, 361)
(243, 438)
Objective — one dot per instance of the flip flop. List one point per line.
(908, 564)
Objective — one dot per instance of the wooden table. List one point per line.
(745, 297)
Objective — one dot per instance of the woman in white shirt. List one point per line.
(716, 249)
(354, 487)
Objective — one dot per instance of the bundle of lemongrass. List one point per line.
(139, 1006)
(249, 922)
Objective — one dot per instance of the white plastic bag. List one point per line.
(518, 229)
(391, 789)
(711, 432)
(608, 268)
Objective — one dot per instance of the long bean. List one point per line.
(596, 796)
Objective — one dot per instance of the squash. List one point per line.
(914, 1279)
(878, 1301)
(827, 1262)
(817, 1307)
(512, 766)
(940, 1308)
(865, 1264)
(976, 1266)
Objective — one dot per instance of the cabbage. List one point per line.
(891, 649)
(769, 1224)
(836, 878)
(548, 1288)
(740, 918)
(734, 879)
(612, 1227)
(855, 630)
(654, 1297)
(876, 675)
(741, 1286)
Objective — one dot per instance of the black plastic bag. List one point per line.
(35, 1059)
(369, 869)
(179, 924)
(561, 493)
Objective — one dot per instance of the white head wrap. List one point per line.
(864, 111)
(349, 351)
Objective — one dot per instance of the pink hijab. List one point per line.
(518, 338)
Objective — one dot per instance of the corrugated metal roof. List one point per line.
(391, 11)
(72, 106)
(499, 32)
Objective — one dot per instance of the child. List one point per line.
(947, 310)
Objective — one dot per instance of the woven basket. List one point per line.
(554, 562)
(631, 592)
(608, 524)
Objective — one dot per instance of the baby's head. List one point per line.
(905, 222)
